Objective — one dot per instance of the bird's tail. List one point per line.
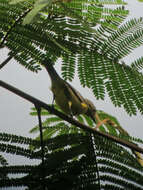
(50, 69)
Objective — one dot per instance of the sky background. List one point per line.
(14, 111)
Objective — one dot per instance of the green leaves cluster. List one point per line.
(91, 38)
(87, 35)
(82, 33)
(74, 159)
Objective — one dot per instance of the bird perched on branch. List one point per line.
(68, 98)
(73, 103)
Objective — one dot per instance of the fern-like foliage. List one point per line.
(138, 64)
(75, 159)
(83, 33)
(78, 161)
(58, 127)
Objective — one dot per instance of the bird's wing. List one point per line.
(69, 88)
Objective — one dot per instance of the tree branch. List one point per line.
(5, 62)
(69, 119)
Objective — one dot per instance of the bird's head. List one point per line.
(91, 111)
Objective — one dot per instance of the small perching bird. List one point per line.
(72, 102)
(68, 98)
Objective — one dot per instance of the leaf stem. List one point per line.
(38, 108)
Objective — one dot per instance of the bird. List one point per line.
(70, 101)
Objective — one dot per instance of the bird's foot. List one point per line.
(104, 121)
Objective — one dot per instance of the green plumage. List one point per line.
(66, 97)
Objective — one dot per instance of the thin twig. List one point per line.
(41, 133)
(5, 62)
(42, 145)
(69, 119)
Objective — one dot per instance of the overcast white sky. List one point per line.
(14, 111)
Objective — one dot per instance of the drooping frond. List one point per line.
(54, 33)
(124, 40)
(11, 145)
(72, 163)
(138, 64)
(72, 158)
(16, 139)
(90, 65)
(83, 33)
(125, 88)
(3, 161)
(79, 154)
(54, 126)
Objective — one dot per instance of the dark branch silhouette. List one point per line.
(39, 103)
(42, 145)
(5, 62)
